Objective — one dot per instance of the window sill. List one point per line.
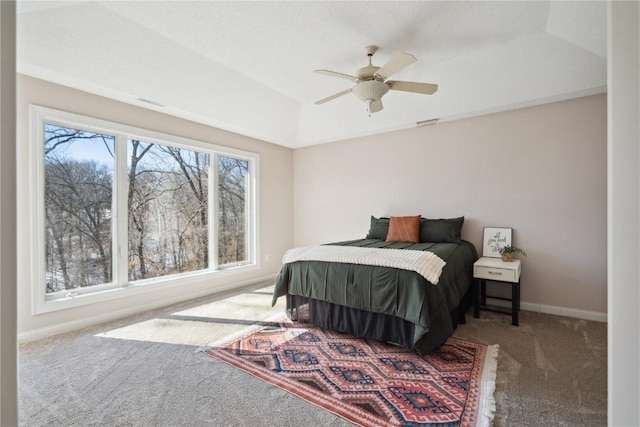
(141, 287)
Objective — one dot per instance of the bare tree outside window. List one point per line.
(78, 173)
(168, 210)
(232, 188)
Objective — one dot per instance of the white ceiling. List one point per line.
(247, 66)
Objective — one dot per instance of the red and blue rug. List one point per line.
(368, 382)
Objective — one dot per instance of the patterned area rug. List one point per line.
(368, 382)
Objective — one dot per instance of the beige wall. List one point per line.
(275, 186)
(539, 170)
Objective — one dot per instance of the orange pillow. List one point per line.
(404, 229)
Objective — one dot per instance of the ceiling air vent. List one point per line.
(148, 101)
(427, 122)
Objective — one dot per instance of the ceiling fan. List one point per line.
(373, 82)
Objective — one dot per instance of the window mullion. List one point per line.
(249, 217)
(213, 211)
(121, 219)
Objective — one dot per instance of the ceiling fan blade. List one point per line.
(336, 74)
(395, 64)
(424, 88)
(334, 96)
(375, 106)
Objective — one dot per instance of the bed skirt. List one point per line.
(382, 327)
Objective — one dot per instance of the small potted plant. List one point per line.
(508, 251)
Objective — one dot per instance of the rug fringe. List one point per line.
(487, 404)
(277, 317)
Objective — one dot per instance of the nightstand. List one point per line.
(496, 270)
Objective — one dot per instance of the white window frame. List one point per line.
(121, 287)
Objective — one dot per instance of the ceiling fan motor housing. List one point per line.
(368, 72)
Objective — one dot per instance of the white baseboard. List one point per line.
(76, 325)
(558, 311)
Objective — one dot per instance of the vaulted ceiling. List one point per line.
(248, 67)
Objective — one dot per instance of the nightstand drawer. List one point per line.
(493, 273)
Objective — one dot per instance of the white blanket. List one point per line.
(427, 264)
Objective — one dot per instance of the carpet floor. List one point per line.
(144, 371)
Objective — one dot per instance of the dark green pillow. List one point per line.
(379, 228)
(446, 230)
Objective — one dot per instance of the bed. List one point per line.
(390, 304)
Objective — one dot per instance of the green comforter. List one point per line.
(385, 290)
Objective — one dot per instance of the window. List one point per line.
(78, 189)
(167, 200)
(232, 218)
(121, 207)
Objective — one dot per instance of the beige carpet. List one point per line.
(144, 371)
(552, 370)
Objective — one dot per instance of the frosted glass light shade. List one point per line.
(371, 90)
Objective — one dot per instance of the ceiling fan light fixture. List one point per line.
(370, 91)
(372, 82)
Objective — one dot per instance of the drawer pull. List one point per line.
(496, 272)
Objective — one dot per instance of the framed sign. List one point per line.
(493, 239)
